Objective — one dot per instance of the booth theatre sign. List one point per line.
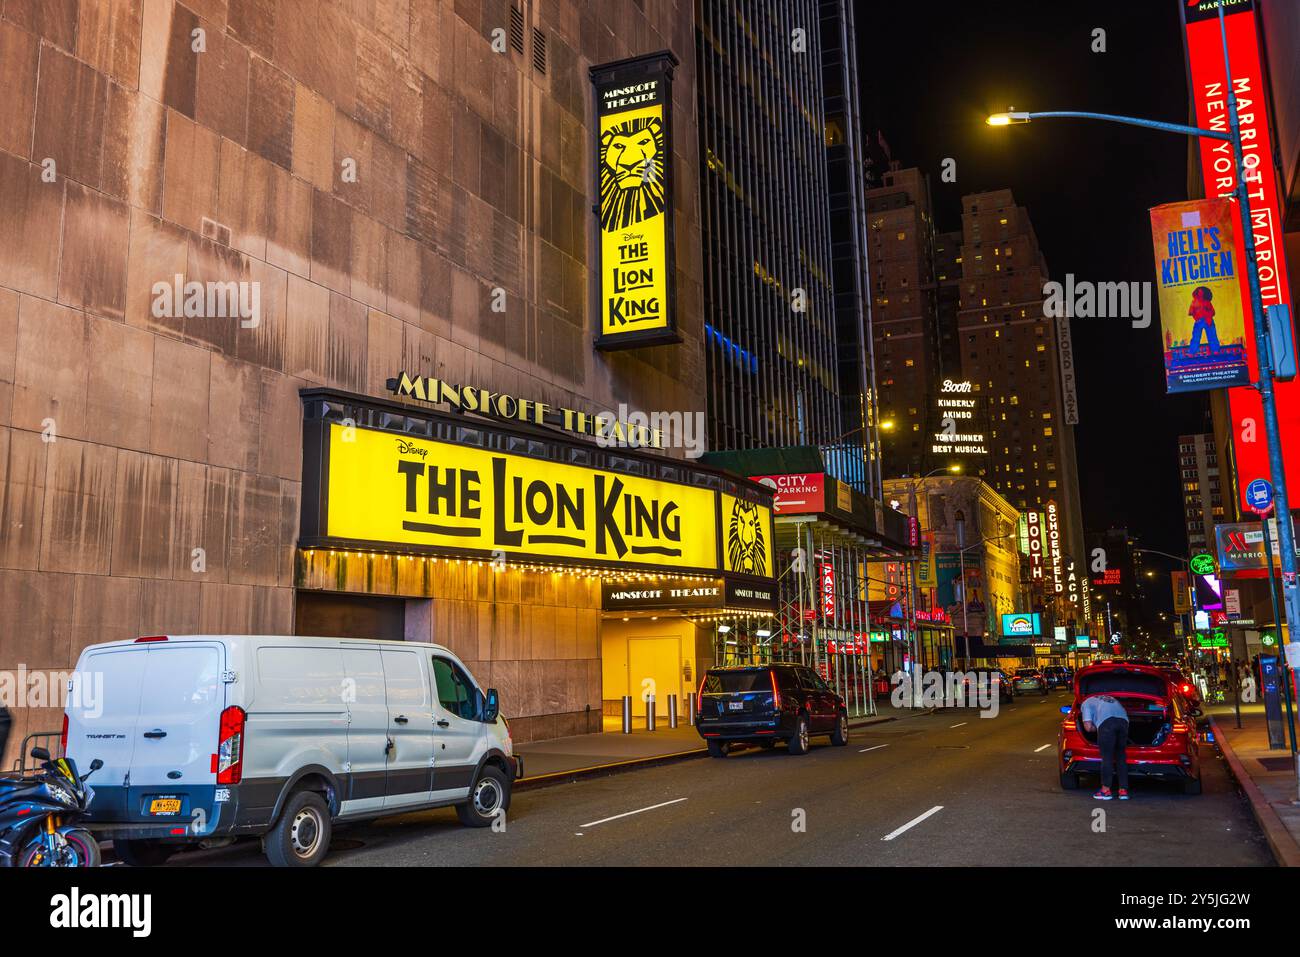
(508, 408)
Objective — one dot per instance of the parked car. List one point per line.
(208, 738)
(1162, 740)
(764, 704)
(1184, 685)
(1029, 679)
(993, 677)
(1058, 676)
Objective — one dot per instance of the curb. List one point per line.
(611, 767)
(1280, 842)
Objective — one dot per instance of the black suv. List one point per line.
(763, 704)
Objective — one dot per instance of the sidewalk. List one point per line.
(583, 754)
(1267, 777)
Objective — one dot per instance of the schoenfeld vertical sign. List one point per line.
(634, 150)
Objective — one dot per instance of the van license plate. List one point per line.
(165, 806)
(736, 705)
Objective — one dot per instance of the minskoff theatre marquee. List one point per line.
(383, 477)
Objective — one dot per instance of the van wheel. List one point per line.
(143, 853)
(840, 736)
(1192, 786)
(301, 837)
(717, 749)
(1070, 781)
(489, 797)
(798, 744)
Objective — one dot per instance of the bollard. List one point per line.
(627, 714)
(672, 711)
(690, 708)
(649, 712)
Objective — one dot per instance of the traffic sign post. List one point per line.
(1259, 496)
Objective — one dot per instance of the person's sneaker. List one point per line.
(1123, 794)
(1103, 794)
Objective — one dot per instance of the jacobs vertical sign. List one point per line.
(633, 165)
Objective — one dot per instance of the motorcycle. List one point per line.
(39, 814)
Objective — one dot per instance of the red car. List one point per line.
(1162, 741)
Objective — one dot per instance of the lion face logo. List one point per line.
(746, 546)
(631, 173)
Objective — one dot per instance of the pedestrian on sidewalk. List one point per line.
(1106, 717)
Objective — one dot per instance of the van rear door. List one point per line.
(155, 728)
(102, 709)
(180, 714)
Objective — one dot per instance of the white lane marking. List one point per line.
(876, 747)
(605, 820)
(1043, 748)
(957, 725)
(912, 823)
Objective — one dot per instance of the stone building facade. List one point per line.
(385, 177)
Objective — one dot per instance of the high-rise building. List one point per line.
(904, 317)
(787, 319)
(1203, 501)
(850, 160)
(1010, 355)
(770, 321)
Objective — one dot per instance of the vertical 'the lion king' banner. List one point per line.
(634, 184)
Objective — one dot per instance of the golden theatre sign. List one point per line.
(634, 149)
(397, 491)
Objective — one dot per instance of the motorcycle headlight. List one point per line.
(63, 795)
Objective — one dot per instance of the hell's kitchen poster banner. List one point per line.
(633, 165)
(1199, 282)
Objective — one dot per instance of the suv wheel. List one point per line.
(489, 797)
(301, 837)
(840, 736)
(1070, 781)
(717, 749)
(798, 744)
(1192, 786)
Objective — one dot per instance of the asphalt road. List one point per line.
(948, 789)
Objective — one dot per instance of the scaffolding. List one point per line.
(823, 617)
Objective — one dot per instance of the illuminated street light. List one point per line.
(1007, 119)
(887, 425)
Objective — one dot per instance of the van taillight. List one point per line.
(147, 638)
(63, 738)
(230, 746)
(776, 694)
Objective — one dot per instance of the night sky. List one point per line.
(928, 83)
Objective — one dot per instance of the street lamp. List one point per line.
(1286, 534)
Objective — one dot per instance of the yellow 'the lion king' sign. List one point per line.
(395, 489)
(634, 164)
(746, 532)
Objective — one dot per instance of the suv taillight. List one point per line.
(776, 693)
(230, 746)
(63, 736)
(699, 695)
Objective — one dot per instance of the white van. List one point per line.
(206, 738)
